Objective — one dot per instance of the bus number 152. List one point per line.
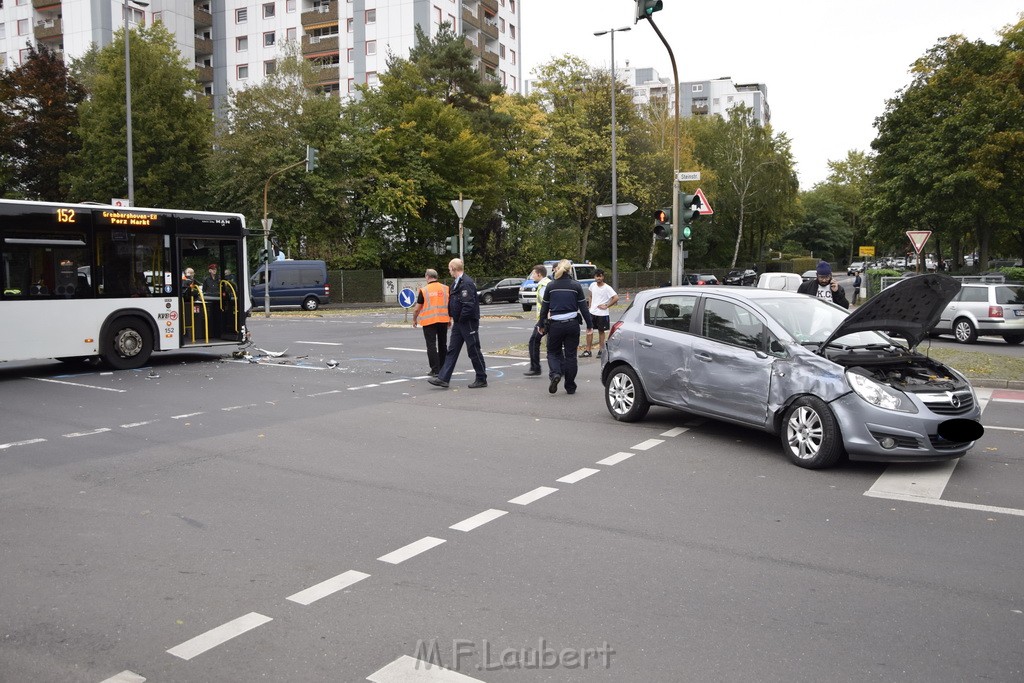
(65, 215)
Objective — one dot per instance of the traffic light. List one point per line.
(663, 224)
(452, 244)
(263, 256)
(645, 8)
(468, 246)
(686, 234)
(311, 161)
(690, 205)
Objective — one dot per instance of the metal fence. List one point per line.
(356, 286)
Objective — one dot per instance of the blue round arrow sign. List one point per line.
(407, 298)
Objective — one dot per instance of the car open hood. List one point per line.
(908, 309)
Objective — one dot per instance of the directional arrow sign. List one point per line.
(606, 210)
(705, 205)
(918, 238)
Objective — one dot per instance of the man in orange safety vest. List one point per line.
(431, 313)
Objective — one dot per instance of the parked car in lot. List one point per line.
(826, 381)
(742, 278)
(789, 282)
(701, 279)
(984, 309)
(855, 267)
(505, 290)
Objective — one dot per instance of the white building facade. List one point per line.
(234, 43)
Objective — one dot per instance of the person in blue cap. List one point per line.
(824, 286)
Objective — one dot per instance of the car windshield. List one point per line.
(1009, 296)
(585, 272)
(811, 321)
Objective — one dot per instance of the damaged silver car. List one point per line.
(827, 381)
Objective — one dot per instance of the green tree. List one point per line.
(171, 124)
(38, 112)
(265, 129)
(950, 146)
(754, 184)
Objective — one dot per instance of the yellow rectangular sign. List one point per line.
(867, 251)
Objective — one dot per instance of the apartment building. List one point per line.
(697, 98)
(235, 43)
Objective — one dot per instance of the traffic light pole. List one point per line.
(676, 247)
(266, 236)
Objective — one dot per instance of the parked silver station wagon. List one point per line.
(827, 381)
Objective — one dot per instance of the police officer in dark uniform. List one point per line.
(464, 310)
(563, 308)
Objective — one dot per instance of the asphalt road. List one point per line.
(208, 519)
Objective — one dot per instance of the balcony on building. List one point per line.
(204, 74)
(329, 73)
(490, 5)
(700, 107)
(203, 19)
(45, 4)
(48, 28)
(204, 46)
(320, 14)
(489, 58)
(319, 44)
(490, 27)
(470, 18)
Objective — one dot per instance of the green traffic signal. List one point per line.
(686, 232)
(468, 244)
(645, 8)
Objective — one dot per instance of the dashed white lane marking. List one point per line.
(182, 417)
(75, 435)
(325, 588)
(473, 522)
(248, 405)
(676, 431)
(1005, 429)
(946, 503)
(615, 459)
(647, 445)
(533, 495)
(279, 365)
(411, 550)
(125, 677)
(394, 381)
(130, 425)
(324, 393)
(924, 481)
(365, 386)
(400, 348)
(408, 669)
(218, 636)
(26, 442)
(77, 384)
(321, 343)
(579, 474)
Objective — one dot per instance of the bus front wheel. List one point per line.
(128, 345)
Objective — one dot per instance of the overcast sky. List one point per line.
(829, 65)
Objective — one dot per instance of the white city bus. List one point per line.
(83, 281)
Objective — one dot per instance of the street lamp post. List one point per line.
(615, 198)
(128, 96)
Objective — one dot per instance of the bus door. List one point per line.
(212, 292)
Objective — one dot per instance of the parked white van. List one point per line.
(786, 282)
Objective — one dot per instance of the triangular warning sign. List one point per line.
(918, 238)
(706, 209)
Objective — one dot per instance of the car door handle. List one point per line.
(706, 357)
(646, 343)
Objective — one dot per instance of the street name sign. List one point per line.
(606, 210)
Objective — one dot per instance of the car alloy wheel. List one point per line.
(624, 396)
(965, 331)
(810, 434)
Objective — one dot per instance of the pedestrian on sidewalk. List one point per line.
(539, 274)
(601, 297)
(564, 307)
(856, 287)
(464, 310)
(431, 313)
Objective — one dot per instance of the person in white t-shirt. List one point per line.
(602, 297)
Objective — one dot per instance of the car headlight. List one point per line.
(878, 394)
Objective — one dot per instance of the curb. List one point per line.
(990, 383)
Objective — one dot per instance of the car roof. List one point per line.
(752, 293)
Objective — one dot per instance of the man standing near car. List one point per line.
(431, 313)
(825, 287)
(539, 274)
(464, 310)
(602, 297)
(564, 307)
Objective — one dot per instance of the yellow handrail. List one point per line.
(234, 296)
(206, 321)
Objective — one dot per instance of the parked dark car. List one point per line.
(826, 381)
(505, 290)
(700, 279)
(742, 278)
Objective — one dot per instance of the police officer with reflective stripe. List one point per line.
(565, 305)
(464, 310)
